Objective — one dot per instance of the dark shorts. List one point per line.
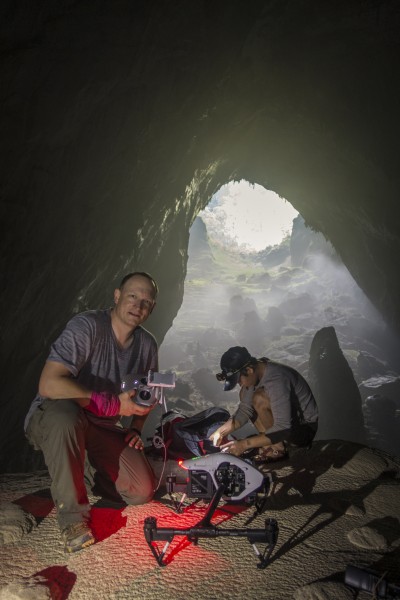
(300, 435)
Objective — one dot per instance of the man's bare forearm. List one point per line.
(61, 386)
(234, 424)
(57, 383)
(257, 441)
(64, 389)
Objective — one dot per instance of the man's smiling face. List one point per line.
(135, 301)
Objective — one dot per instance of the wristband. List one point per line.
(103, 404)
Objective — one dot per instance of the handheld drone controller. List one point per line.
(148, 387)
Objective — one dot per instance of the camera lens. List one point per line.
(145, 394)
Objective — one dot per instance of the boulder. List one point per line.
(335, 389)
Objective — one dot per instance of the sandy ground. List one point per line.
(336, 504)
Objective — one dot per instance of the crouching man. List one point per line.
(79, 407)
(275, 397)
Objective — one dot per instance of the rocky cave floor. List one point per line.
(336, 504)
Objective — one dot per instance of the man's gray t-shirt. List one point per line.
(90, 351)
(292, 401)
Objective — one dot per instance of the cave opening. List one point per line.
(271, 298)
(246, 217)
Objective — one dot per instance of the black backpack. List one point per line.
(186, 437)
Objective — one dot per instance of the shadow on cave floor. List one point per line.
(38, 503)
(294, 480)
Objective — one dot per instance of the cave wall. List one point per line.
(120, 120)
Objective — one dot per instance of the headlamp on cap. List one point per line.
(231, 378)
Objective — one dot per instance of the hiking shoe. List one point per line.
(77, 536)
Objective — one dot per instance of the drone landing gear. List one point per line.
(205, 529)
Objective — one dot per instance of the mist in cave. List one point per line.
(274, 301)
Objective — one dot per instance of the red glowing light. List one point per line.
(180, 463)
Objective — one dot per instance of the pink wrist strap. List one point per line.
(103, 404)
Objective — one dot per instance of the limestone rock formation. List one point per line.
(199, 245)
(335, 389)
(15, 522)
(305, 242)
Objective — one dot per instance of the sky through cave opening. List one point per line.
(247, 217)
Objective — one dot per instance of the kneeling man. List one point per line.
(275, 397)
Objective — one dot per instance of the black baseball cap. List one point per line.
(232, 362)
